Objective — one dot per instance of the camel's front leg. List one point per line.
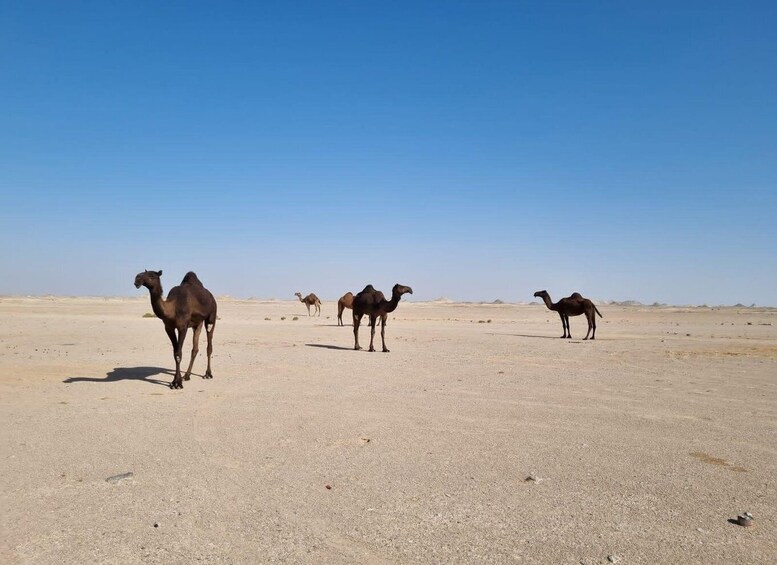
(174, 342)
(177, 381)
(209, 334)
(357, 320)
(195, 350)
(383, 332)
(308, 305)
(563, 325)
(372, 331)
(569, 330)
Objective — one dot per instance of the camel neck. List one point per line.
(157, 302)
(549, 302)
(392, 304)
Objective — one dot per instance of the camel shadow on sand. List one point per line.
(529, 336)
(324, 346)
(127, 374)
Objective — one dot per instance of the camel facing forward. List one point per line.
(189, 305)
(573, 305)
(373, 303)
(310, 300)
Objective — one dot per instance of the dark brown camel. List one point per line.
(310, 300)
(374, 304)
(573, 305)
(189, 305)
(346, 301)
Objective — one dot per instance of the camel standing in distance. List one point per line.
(189, 305)
(573, 305)
(346, 301)
(374, 304)
(310, 300)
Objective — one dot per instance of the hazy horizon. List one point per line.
(479, 151)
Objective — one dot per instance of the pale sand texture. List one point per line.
(645, 441)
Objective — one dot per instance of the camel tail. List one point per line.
(597, 311)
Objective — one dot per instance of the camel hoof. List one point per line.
(174, 385)
(186, 377)
(371, 350)
(386, 350)
(357, 348)
(207, 376)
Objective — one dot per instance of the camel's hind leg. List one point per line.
(591, 324)
(195, 350)
(318, 309)
(209, 333)
(339, 314)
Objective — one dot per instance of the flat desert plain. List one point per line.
(481, 438)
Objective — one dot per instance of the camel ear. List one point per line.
(159, 273)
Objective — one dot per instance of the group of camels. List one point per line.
(191, 305)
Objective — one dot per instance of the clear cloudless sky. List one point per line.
(473, 150)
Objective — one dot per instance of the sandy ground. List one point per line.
(643, 443)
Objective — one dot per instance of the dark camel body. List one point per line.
(310, 300)
(373, 303)
(573, 305)
(189, 305)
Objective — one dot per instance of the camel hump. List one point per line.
(191, 278)
(369, 288)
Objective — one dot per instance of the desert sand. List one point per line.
(481, 437)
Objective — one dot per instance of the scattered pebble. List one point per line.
(328, 487)
(156, 524)
(613, 558)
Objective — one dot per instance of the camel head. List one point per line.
(147, 278)
(298, 295)
(400, 289)
(541, 294)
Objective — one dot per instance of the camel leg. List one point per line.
(563, 325)
(209, 334)
(177, 381)
(357, 320)
(591, 325)
(174, 342)
(372, 331)
(339, 315)
(195, 350)
(308, 305)
(383, 332)
(318, 309)
(569, 330)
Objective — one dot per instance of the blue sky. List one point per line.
(475, 150)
